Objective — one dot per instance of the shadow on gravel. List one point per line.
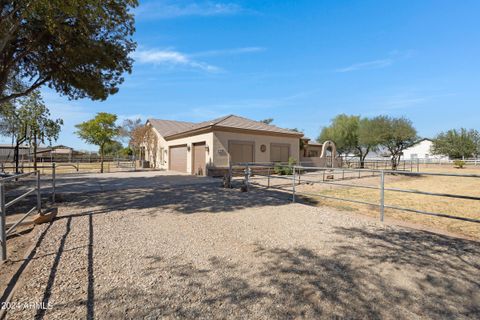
(186, 199)
(391, 274)
(53, 272)
(11, 284)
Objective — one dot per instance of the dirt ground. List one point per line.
(436, 184)
(199, 251)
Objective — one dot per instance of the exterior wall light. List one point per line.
(188, 148)
(207, 149)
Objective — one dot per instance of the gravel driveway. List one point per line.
(199, 251)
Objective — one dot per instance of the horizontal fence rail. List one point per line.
(118, 164)
(19, 179)
(306, 175)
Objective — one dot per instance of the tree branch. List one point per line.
(34, 86)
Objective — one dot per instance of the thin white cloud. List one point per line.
(171, 58)
(393, 57)
(375, 64)
(233, 51)
(407, 100)
(168, 9)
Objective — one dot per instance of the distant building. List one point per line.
(44, 153)
(422, 150)
(7, 152)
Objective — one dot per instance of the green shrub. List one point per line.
(285, 169)
(278, 168)
(459, 164)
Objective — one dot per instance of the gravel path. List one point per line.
(198, 251)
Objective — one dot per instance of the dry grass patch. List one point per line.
(436, 184)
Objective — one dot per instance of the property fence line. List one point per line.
(405, 164)
(300, 174)
(4, 232)
(77, 166)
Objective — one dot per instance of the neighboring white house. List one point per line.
(422, 150)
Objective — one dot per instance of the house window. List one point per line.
(241, 151)
(313, 153)
(279, 152)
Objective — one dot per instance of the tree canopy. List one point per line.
(351, 134)
(457, 144)
(80, 48)
(34, 117)
(134, 131)
(267, 121)
(395, 134)
(27, 119)
(99, 131)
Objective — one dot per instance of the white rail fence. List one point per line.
(296, 175)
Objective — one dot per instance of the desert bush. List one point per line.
(459, 164)
(285, 169)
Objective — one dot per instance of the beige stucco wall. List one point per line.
(313, 148)
(162, 163)
(221, 138)
(217, 143)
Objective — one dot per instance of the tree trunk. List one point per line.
(394, 163)
(362, 161)
(101, 158)
(15, 156)
(35, 153)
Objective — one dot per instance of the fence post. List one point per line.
(382, 195)
(53, 182)
(39, 196)
(418, 165)
(3, 236)
(293, 185)
(268, 178)
(247, 177)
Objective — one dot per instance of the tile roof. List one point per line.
(169, 128)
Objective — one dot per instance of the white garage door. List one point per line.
(178, 158)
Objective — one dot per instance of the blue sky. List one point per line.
(299, 62)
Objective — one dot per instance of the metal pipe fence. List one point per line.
(406, 164)
(77, 167)
(4, 232)
(308, 175)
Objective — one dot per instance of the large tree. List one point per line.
(394, 134)
(27, 119)
(80, 48)
(150, 142)
(457, 144)
(134, 131)
(99, 131)
(34, 116)
(351, 134)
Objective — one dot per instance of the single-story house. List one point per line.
(204, 148)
